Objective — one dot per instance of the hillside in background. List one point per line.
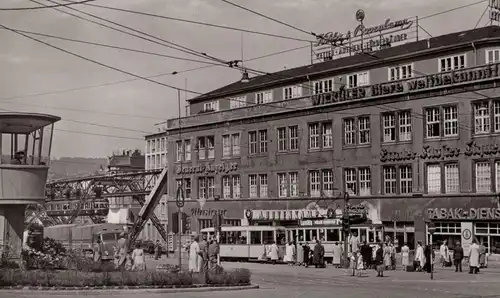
(67, 167)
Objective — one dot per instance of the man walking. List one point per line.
(458, 256)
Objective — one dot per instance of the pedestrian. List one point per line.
(307, 250)
(360, 265)
(379, 261)
(98, 251)
(194, 255)
(294, 259)
(337, 255)
(405, 256)
(458, 256)
(474, 257)
(419, 257)
(300, 254)
(366, 252)
(318, 255)
(429, 258)
(444, 254)
(482, 256)
(387, 256)
(274, 253)
(203, 260)
(288, 259)
(393, 256)
(157, 250)
(138, 259)
(122, 250)
(213, 253)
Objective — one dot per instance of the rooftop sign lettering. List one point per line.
(434, 81)
(362, 38)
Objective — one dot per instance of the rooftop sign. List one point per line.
(333, 45)
(433, 81)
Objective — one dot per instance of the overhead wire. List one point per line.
(197, 22)
(481, 17)
(50, 6)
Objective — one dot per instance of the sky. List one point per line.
(94, 105)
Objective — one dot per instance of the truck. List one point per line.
(84, 237)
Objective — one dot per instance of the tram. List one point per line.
(248, 243)
(98, 207)
(330, 232)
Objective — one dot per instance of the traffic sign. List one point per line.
(179, 200)
(431, 228)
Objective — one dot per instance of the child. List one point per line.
(360, 266)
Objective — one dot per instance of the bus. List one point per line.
(248, 243)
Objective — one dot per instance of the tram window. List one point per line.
(268, 237)
(233, 237)
(293, 235)
(332, 235)
(308, 235)
(363, 235)
(256, 237)
(224, 238)
(280, 237)
(300, 234)
(314, 234)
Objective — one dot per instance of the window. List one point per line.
(237, 102)
(231, 187)
(392, 123)
(148, 146)
(434, 178)
(252, 142)
(293, 134)
(179, 151)
(282, 139)
(350, 181)
(483, 177)
(211, 147)
(293, 184)
(202, 148)
(263, 97)
(263, 185)
(263, 141)
(358, 80)
(327, 185)
(492, 56)
(226, 145)
(231, 145)
(186, 187)
(364, 130)
(163, 145)
(390, 180)
(235, 143)
(486, 114)
(400, 72)
(202, 188)
(406, 179)
(252, 182)
(434, 121)
(323, 86)
(314, 183)
(282, 185)
(349, 132)
(326, 135)
(211, 187)
(212, 106)
(451, 178)
(187, 150)
(292, 92)
(365, 183)
(452, 63)
(497, 176)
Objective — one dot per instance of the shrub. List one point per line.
(73, 278)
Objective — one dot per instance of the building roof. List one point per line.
(301, 73)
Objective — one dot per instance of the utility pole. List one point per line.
(345, 228)
(180, 188)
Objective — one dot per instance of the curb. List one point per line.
(123, 289)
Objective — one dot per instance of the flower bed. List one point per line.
(10, 278)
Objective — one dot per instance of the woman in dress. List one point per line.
(274, 253)
(444, 253)
(419, 257)
(138, 259)
(337, 255)
(300, 254)
(387, 256)
(194, 254)
(405, 256)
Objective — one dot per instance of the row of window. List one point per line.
(156, 145)
(440, 121)
(440, 178)
(325, 85)
(156, 161)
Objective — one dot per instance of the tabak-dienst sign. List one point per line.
(333, 45)
(422, 83)
(464, 214)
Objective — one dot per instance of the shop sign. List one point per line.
(208, 169)
(464, 214)
(286, 214)
(319, 222)
(357, 210)
(433, 81)
(207, 212)
(487, 150)
(362, 38)
(428, 152)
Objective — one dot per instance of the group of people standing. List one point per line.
(476, 257)
(203, 254)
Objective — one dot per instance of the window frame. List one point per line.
(356, 137)
(322, 137)
(487, 59)
(493, 116)
(453, 68)
(215, 108)
(442, 121)
(296, 94)
(265, 99)
(237, 102)
(399, 69)
(397, 126)
(322, 83)
(492, 167)
(357, 75)
(399, 180)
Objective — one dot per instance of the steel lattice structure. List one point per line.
(83, 189)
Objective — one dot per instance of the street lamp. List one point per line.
(431, 228)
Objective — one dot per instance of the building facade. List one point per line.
(156, 156)
(411, 132)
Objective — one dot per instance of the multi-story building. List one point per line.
(411, 132)
(156, 158)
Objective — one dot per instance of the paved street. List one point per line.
(282, 281)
